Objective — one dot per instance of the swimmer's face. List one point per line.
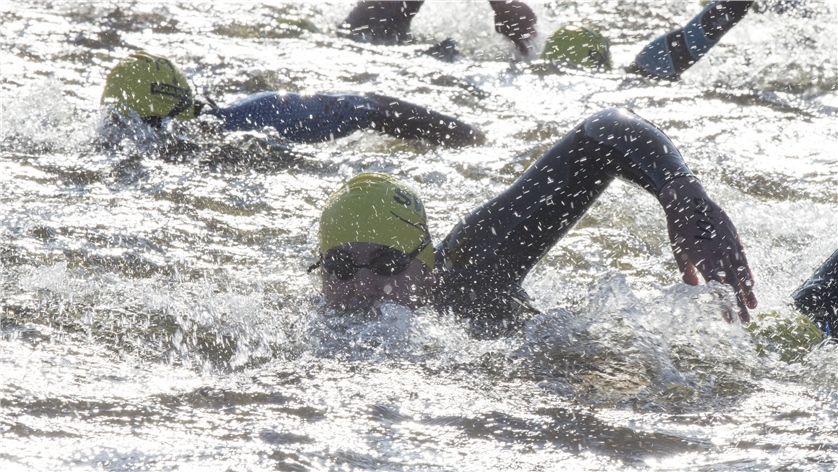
(410, 287)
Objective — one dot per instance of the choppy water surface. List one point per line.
(156, 313)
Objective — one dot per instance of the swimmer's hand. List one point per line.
(516, 21)
(705, 241)
(407, 120)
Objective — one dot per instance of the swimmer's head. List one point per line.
(376, 208)
(151, 86)
(578, 44)
(374, 245)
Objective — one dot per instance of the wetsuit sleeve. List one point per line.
(299, 118)
(818, 296)
(516, 21)
(315, 118)
(481, 264)
(380, 22)
(668, 56)
(407, 120)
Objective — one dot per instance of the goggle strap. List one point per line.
(211, 103)
(315, 265)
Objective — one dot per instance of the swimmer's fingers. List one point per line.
(736, 271)
(734, 276)
(688, 271)
(745, 277)
(705, 240)
(730, 271)
(720, 271)
(724, 271)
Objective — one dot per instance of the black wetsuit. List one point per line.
(818, 296)
(316, 118)
(388, 22)
(673, 53)
(480, 266)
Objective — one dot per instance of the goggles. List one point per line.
(341, 264)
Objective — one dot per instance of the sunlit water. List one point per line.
(156, 312)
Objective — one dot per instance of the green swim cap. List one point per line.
(792, 338)
(150, 85)
(376, 208)
(579, 44)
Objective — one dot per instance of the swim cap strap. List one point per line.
(182, 94)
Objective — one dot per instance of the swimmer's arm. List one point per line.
(668, 56)
(317, 118)
(298, 118)
(704, 240)
(380, 22)
(402, 119)
(516, 21)
(509, 234)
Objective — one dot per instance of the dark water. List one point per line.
(156, 313)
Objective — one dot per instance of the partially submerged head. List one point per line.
(578, 44)
(149, 85)
(374, 244)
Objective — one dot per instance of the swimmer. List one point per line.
(374, 243)
(817, 298)
(155, 89)
(382, 22)
(666, 57)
